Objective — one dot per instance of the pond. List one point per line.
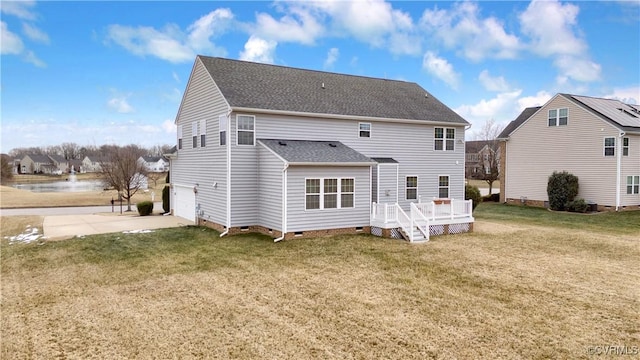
(62, 186)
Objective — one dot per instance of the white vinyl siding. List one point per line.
(269, 197)
(179, 137)
(246, 130)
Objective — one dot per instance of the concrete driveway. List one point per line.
(67, 226)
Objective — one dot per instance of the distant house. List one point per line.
(595, 139)
(61, 164)
(75, 165)
(479, 157)
(37, 164)
(300, 153)
(155, 163)
(92, 163)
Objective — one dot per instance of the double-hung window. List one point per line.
(222, 129)
(558, 117)
(625, 146)
(194, 134)
(609, 146)
(633, 184)
(411, 189)
(246, 129)
(364, 130)
(203, 133)
(443, 186)
(179, 137)
(444, 138)
(329, 193)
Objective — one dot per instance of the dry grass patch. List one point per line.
(529, 291)
(15, 225)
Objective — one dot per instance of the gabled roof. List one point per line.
(624, 116)
(256, 86)
(58, 158)
(154, 159)
(473, 147)
(42, 159)
(524, 115)
(304, 152)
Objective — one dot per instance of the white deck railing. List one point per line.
(433, 210)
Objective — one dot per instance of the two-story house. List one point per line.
(154, 163)
(481, 157)
(595, 139)
(293, 152)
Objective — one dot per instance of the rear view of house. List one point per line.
(595, 139)
(293, 152)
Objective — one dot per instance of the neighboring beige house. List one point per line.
(36, 164)
(155, 163)
(92, 163)
(595, 139)
(60, 163)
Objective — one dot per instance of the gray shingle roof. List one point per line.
(383, 160)
(42, 159)
(524, 115)
(271, 87)
(315, 152)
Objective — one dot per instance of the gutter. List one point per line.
(284, 203)
(619, 169)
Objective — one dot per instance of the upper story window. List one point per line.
(364, 130)
(558, 117)
(203, 133)
(609, 146)
(443, 186)
(246, 129)
(179, 137)
(411, 190)
(222, 129)
(625, 146)
(194, 134)
(444, 138)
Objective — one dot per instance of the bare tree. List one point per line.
(490, 156)
(122, 171)
(70, 150)
(6, 168)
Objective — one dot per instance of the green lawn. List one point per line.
(526, 284)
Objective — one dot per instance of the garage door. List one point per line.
(185, 202)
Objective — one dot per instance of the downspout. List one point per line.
(619, 169)
(228, 141)
(284, 203)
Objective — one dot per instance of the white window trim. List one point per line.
(322, 193)
(180, 144)
(633, 185)
(604, 146)
(238, 130)
(557, 118)
(407, 188)
(359, 130)
(444, 138)
(448, 186)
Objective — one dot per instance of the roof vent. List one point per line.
(332, 145)
(282, 143)
(323, 85)
(426, 95)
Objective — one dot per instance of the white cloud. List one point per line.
(120, 104)
(258, 50)
(629, 95)
(10, 43)
(175, 76)
(490, 83)
(332, 57)
(20, 9)
(440, 68)
(169, 127)
(475, 38)
(35, 34)
(539, 99)
(31, 57)
(552, 29)
(298, 25)
(501, 108)
(171, 43)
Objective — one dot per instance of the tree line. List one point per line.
(73, 151)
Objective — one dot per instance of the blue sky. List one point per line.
(98, 73)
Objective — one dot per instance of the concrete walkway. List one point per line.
(67, 226)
